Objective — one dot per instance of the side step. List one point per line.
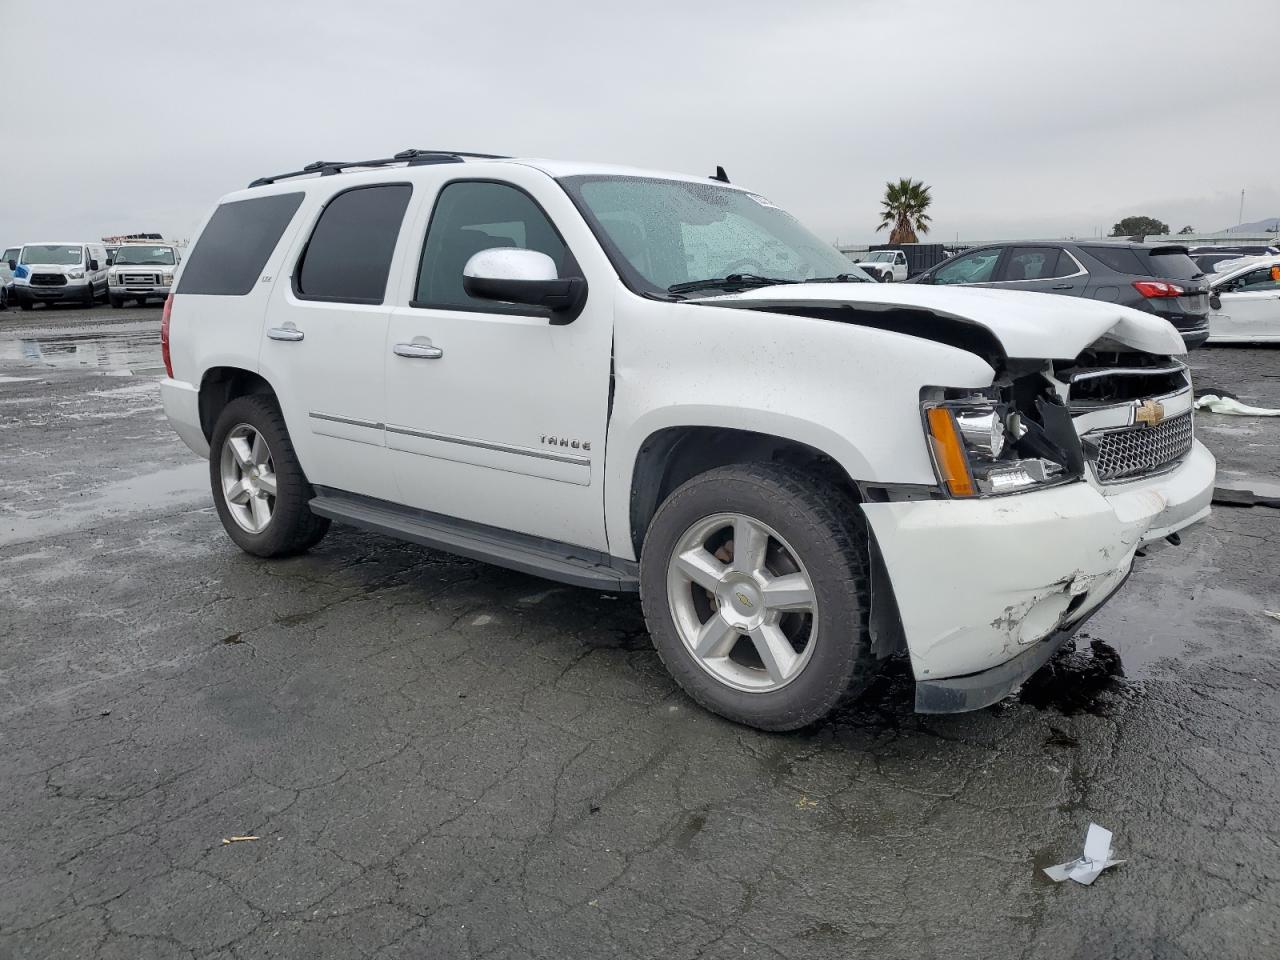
(552, 559)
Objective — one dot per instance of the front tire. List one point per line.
(259, 489)
(754, 587)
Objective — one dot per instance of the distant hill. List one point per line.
(1269, 225)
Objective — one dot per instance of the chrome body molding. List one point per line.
(349, 421)
(491, 445)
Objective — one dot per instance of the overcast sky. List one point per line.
(1027, 118)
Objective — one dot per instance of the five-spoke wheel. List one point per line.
(248, 478)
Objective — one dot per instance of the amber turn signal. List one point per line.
(949, 452)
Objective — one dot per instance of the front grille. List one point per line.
(1137, 450)
(141, 279)
(48, 279)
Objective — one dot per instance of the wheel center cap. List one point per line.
(743, 597)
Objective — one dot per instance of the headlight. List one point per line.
(75, 274)
(972, 444)
(115, 279)
(166, 279)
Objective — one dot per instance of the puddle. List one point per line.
(116, 350)
(1076, 681)
(154, 493)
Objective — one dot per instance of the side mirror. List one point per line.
(93, 265)
(524, 276)
(1215, 301)
(13, 264)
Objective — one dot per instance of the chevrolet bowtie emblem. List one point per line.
(744, 600)
(1149, 412)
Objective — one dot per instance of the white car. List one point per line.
(60, 273)
(1244, 303)
(142, 272)
(887, 265)
(638, 381)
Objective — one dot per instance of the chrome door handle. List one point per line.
(417, 351)
(288, 333)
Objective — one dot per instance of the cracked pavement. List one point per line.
(444, 759)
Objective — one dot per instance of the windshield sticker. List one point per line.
(764, 202)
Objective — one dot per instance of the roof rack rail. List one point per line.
(410, 158)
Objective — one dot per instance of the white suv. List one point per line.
(638, 381)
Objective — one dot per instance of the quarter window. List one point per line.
(234, 246)
(976, 267)
(348, 257)
(471, 216)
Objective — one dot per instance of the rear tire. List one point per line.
(804, 643)
(259, 489)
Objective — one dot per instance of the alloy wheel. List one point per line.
(742, 602)
(248, 478)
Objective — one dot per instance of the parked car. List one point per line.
(1245, 303)
(142, 272)
(9, 255)
(885, 265)
(60, 273)
(648, 382)
(1160, 280)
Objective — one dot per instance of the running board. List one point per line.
(552, 559)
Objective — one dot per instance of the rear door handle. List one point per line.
(288, 333)
(1063, 286)
(417, 351)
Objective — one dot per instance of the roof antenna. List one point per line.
(720, 175)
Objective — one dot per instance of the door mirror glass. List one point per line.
(513, 275)
(1215, 301)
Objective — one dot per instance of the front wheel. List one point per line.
(259, 489)
(754, 587)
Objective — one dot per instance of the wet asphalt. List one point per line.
(443, 759)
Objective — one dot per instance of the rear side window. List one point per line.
(231, 252)
(1171, 264)
(1119, 259)
(348, 257)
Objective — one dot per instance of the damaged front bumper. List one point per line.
(988, 589)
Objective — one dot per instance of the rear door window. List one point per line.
(231, 252)
(348, 257)
(1034, 263)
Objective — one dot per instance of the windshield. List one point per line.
(879, 256)
(151, 256)
(53, 253)
(659, 233)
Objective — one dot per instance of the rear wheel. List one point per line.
(753, 582)
(259, 489)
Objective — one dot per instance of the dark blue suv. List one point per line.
(1162, 280)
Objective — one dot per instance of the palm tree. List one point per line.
(905, 203)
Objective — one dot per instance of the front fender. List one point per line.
(852, 392)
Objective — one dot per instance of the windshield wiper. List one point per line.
(841, 278)
(732, 280)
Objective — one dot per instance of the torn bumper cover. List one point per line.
(988, 589)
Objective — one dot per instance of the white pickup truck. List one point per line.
(889, 266)
(638, 381)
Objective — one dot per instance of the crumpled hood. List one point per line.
(1027, 325)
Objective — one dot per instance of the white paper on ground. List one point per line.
(1216, 404)
(1097, 857)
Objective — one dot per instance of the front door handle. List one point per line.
(1063, 286)
(417, 351)
(288, 333)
